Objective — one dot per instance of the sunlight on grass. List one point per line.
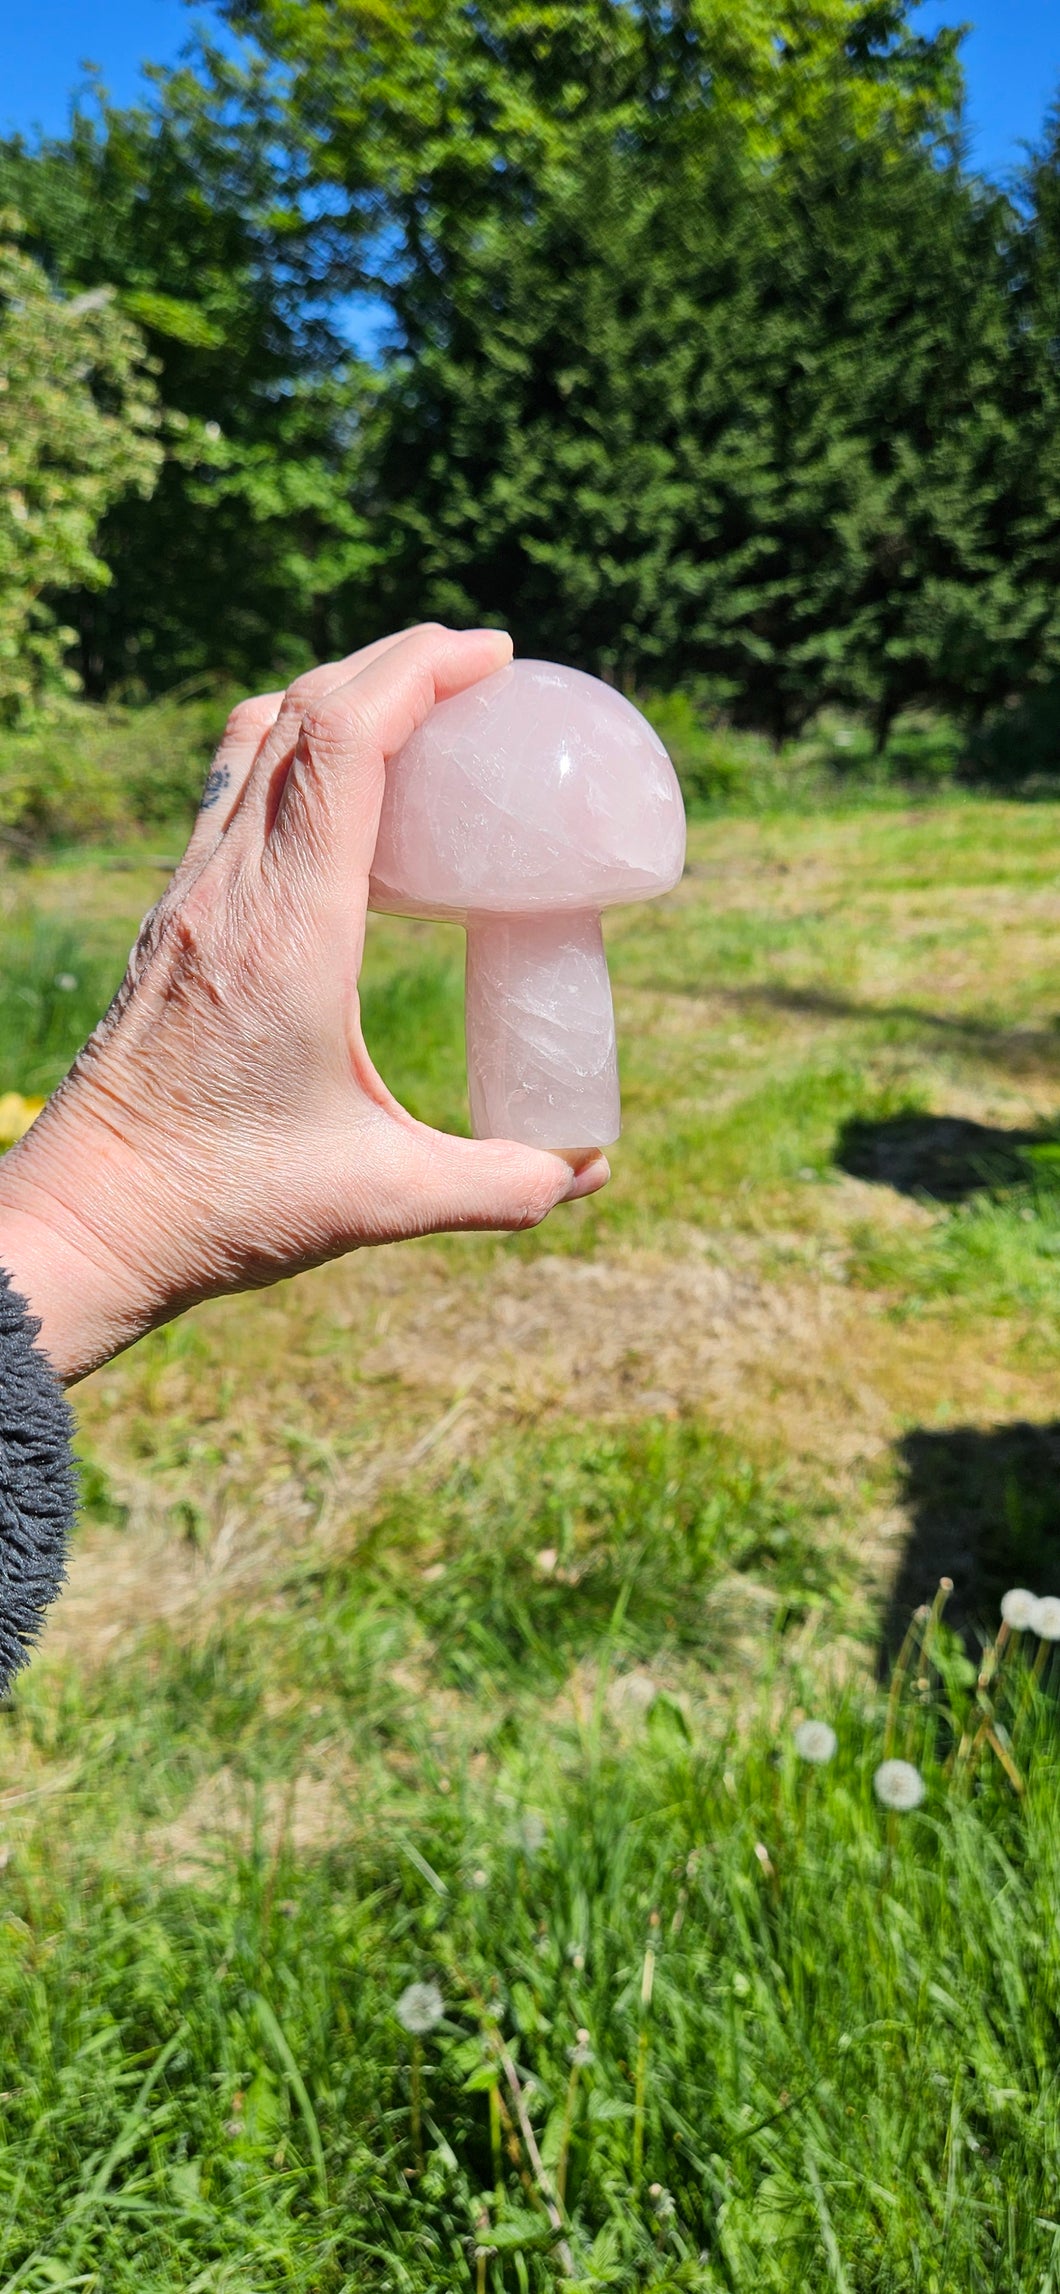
(408, 1655)
(684, 1993)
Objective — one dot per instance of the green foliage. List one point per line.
(723, 767)
(78, 423)
(251, 530)
(701, 349)
(74, 772)
(1018, 745)
(715, 763)
(709, 366)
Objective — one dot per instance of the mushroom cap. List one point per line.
(536, 790)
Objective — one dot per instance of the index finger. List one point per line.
(334, 789)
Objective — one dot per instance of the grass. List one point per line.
(444, 1617)
(762, 2034)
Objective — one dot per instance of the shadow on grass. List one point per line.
(945, 1156)
(984, 1506)
(1015, 1048)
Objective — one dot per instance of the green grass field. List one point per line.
(444, 1618)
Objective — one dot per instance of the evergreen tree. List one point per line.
(708, 360)
(698, 336)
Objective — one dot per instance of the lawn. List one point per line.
(444, 1619)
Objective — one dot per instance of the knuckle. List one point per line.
(252, 716)
(336, 722)
(320, 679)
(301, 689)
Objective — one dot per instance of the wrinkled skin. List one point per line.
(224, 1126)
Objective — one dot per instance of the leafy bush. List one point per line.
(105, 773)
(1020, 743)
(721, 766)
(714, 763)
(78, 421)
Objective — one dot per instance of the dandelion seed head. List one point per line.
(66, 981)
(1017, 1608)
(419, 2008)
(581, 2054)
(532, 1832)
(1045, 1618)
(815, 1741)
(897, 1784)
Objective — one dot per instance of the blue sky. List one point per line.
(1012, 61)
(1012, 68)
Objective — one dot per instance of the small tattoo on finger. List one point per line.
(217, 780)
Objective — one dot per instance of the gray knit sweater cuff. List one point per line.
(38, 1491)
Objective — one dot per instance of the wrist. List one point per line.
(74, 1217)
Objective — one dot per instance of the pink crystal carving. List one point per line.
(522, 808)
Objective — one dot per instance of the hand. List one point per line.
(224, 1126)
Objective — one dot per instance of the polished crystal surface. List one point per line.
(522, 808)
(541, 1061)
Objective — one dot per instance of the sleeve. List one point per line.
(38, 1488)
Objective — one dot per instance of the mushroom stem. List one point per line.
(541, 1061)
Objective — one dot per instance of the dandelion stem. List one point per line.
(565, 2132)
(901, 1667)
(993, 1654)
(976, 1743)
(537, 2163)
(934, 1617)
(640, 2083)
(989, 1673)
(639, 2091)
(1007, 1762)
(417, 2108)
(541, 2187)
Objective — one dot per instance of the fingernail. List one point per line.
(499, 636)
(589, 1172)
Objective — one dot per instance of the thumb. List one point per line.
(495, 1183)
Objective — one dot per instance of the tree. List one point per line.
(708, 359)
(253, 527)
(698, 333)
(78, 432)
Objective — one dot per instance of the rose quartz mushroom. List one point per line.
(521, 808)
